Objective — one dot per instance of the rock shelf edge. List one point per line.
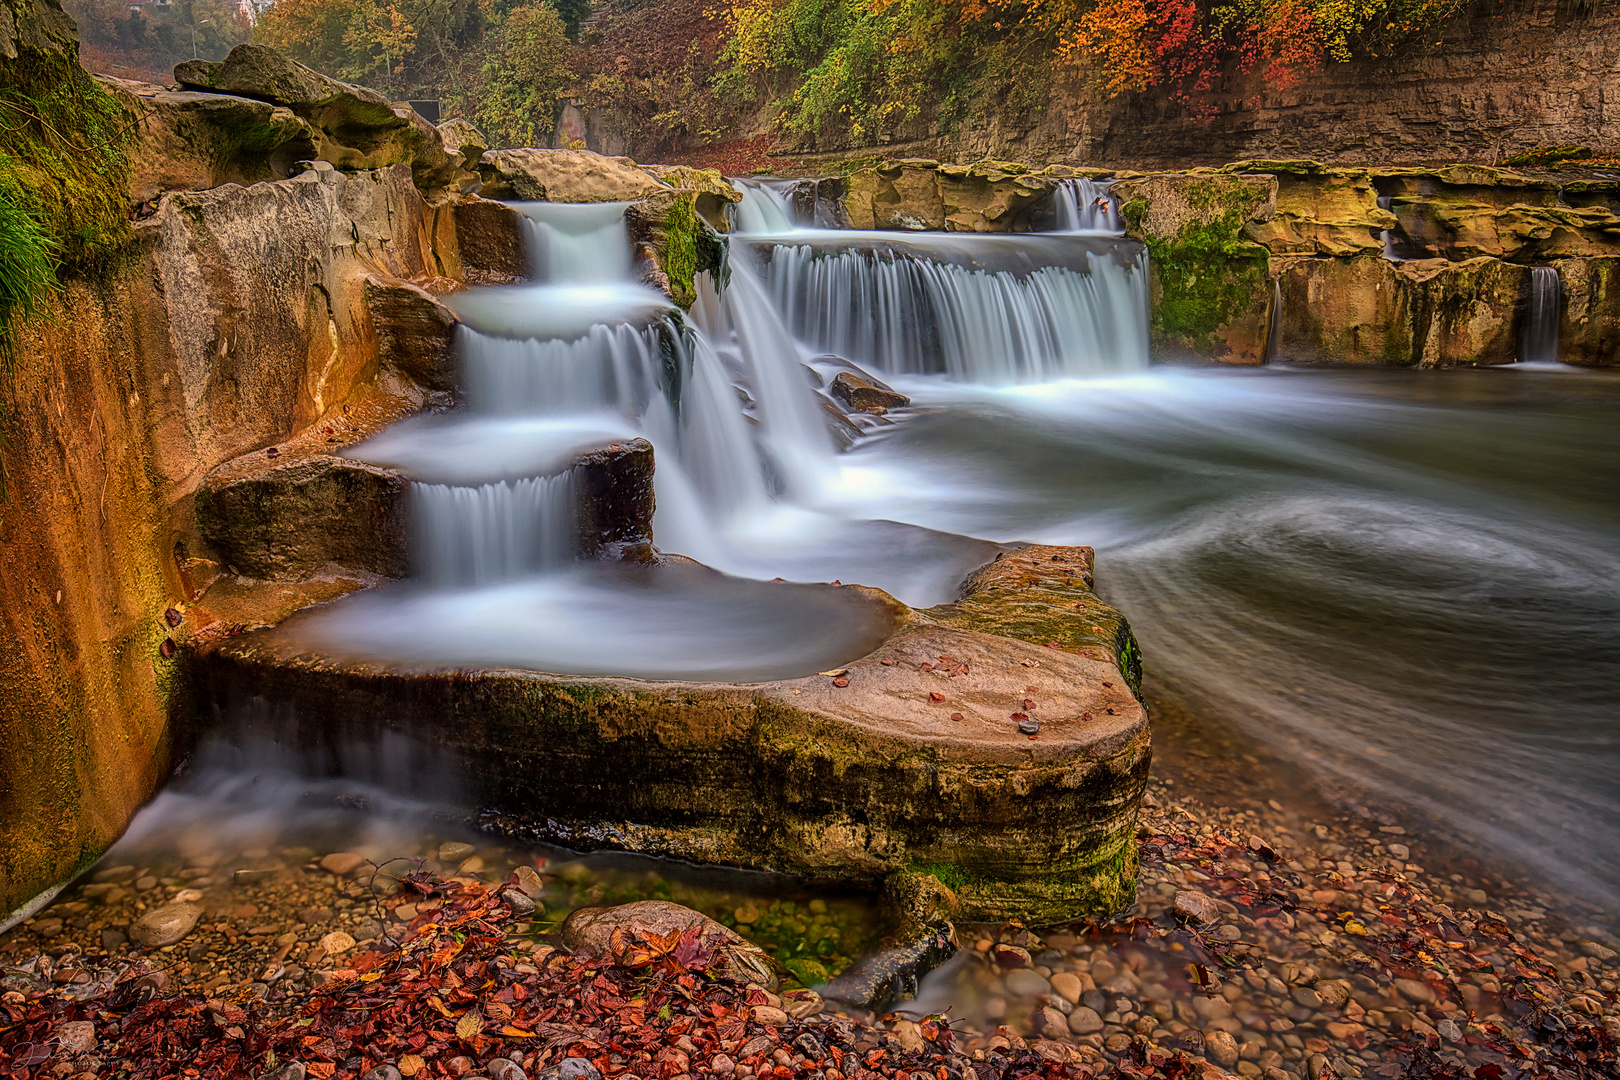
(835, 784)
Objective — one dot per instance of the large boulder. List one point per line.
(1210, 298)
(915, 193)
(355, 128)
(910, 757)
(675, 242)
(1425, 313)
(572, 176)
(1590, 328)
(287, 518)
(415, 333)
(490, 242)
(189, 140)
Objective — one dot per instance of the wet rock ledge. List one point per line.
(916, 757)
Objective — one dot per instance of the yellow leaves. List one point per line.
(1355, 927)
(410, 1065)
(511, 1032)
(469, 1027)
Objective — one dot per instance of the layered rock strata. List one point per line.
(911, 758)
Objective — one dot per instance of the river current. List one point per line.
(1406, 581)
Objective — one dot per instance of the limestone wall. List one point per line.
(1506, 78)
(238, 318)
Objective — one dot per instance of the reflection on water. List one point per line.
(1409, 580)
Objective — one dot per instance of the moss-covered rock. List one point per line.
(912, 759)
(1210, 295)
(676, 240)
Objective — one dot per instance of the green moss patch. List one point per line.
(64, 181)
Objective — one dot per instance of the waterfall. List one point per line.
(1086, 206)
(1542, 315)
(988, 313)
(577, 242)
(765, 208)
(1387, 236)
(467, 536)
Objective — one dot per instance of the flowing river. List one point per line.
(1405, 582)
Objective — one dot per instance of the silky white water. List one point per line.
(1085, 205)
(1544, 308)
(984, 308)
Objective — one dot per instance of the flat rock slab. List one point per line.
(846, 777)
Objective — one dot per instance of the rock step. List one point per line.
(910, 758)
(289, 516)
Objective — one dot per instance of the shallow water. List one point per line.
(674, 621)
(1407, 581)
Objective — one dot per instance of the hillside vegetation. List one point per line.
(685, 74)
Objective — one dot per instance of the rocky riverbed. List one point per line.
(1262, 945)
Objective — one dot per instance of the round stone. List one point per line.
(1084, 1021)
(1026, 982)
(164, 925)
(1221, 1048)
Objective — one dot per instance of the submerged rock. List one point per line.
(864, 395)
(890, 976)
(165, 925)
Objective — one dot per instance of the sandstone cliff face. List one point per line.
(238, 318)
(1503, 80)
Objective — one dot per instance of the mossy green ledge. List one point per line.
(844, 784)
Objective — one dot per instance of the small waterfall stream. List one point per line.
(1087, 206)
(1544, 308)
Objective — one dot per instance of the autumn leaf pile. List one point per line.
(454, 989)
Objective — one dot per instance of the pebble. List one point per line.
(505, 1069)
(337, 943)
(1025, 982)
(382, 1072)
(572, 1068)
(529, 882)
(1085, 1021)
(1195, 907)
(1221, 1048)
(342, 863)
(768, 1015)
(722, 1065)
(1012, 956)
(164, 925)
(76, 1037)
(1067, 985)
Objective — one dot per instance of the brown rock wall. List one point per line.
(238, 318)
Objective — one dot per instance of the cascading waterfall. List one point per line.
(1542, 315)
(748, 480)
(1086, 205)
(469, 536)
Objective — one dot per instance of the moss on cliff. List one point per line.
(1208, 274)
(64, 179)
